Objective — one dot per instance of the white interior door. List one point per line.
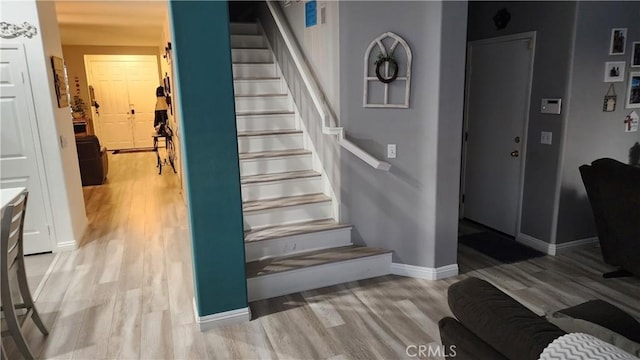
(113, 122)
(20, 154)
(125, 87)
(142, 79)
(496, 109)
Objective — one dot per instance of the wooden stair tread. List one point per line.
(259, 95)
(264, 112)
(309, 259)
(279, 231)
(257, 205)
(269, 132)
(252, 179)
(249, 78)
(268, 154)
(253, 63)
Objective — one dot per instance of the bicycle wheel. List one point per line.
(171, 153)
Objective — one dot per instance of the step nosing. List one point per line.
(284, 176)
(273, 154)
(287, 231)
(268, 133)
(249, 78)
(247, 113)
(253, 63)
(260, 95)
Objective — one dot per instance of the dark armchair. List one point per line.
(93, 160)
(613, 189)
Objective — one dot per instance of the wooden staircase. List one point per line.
(293, 242)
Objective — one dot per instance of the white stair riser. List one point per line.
(269, 143)
(254, 70)
(258, 87)
(251, 55)
(243, 28)
(265, 122)
(277, 189)
(248, 41)
(289, 282)
(288, 214)
(290, 245)
(263, 103)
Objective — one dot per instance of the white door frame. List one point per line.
(35, 131)
(525, 123)
(87, 68)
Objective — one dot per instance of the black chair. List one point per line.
(613, 189)
(92, 159)
(12, 260)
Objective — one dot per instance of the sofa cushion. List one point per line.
(607, 315)
(500, 321)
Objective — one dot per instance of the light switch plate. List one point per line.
(546, 137)
(391, 151)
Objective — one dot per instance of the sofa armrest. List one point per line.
(500, 321)
(465, 344)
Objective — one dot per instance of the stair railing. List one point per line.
(289, 50)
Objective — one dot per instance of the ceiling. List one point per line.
(115, 22)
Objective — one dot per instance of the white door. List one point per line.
(20, 153)
(496, 109)
(125, 88)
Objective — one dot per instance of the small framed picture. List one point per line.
(614, 71)
(633, 92)
(635, 54)
(618, 41)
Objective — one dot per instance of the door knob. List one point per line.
(515, 153)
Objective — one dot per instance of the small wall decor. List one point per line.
(386, 70)
(635, 54)
(167, 53)
(501, 18)
(610, 100)
(618, 41)
(633, 92)
(10, 31)
(631, 122)
(59, 81)
(614, 71)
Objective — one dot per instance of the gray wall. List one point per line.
(590, 132)
(412, 209)
(554, 24)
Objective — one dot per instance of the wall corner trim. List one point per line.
(555, 249)
(427, 273)
(221, 319)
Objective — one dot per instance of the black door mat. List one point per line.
(125, 151)
(499, 247)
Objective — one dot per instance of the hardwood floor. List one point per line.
(127, 291)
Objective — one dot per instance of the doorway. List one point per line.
(498, 91)
(21, 156)
(124, 88)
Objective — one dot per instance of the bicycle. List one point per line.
(166, 133)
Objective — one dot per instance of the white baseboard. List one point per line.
(555, 249)
(66, 246)
(536, 244)
(221, 319)
(573, 245)
(426, 273)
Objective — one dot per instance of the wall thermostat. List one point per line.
(551, 106)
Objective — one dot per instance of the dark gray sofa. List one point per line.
(491, 325)
(613, 189)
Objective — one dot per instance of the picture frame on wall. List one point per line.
(635, 54)
(614, 71)
(59, 80)
(618, 41)
(633, 91)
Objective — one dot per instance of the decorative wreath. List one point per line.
(392, 63)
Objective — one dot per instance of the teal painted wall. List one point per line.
(204, 78)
